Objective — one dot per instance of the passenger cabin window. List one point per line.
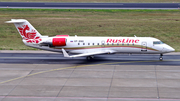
(78, 43)
(83, 43)
(107, 43)
(93, 44)
(88, 43)
(117, 44)
(157, 42)
(97, 43)
(112, 43)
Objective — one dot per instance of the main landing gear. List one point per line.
(161, 58)
(89, 58)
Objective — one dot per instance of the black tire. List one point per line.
(88, 58)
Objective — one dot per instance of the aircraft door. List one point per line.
(103, 43)
(144, 46)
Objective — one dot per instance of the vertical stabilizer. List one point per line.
(25, 29)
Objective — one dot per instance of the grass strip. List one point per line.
(161, 24)
(93, 10)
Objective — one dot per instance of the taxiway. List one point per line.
(41, 75)
(56, 5)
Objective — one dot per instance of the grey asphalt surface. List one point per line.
(90, 5)
(47, 76)
(41, 57)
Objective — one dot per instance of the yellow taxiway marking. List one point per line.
(70, 68)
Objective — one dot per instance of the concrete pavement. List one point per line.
(101, 80)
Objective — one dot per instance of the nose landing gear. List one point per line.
(161, 58)
(89, 58)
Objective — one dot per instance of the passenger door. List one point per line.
(144, 46)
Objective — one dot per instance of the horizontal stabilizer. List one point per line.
(16, 21)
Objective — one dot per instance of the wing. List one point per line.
(85, 54)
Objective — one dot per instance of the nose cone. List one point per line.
(168, 48)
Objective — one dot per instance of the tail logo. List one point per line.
(29, 35)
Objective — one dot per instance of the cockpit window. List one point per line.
(157, 42)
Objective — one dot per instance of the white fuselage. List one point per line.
(113, 44)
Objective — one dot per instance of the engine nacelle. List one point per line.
(62, 36)
(59, 42)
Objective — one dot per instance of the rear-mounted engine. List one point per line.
(59, 42)
(62, 36)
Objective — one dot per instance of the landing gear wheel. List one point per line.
(89, 58)
(161, 58)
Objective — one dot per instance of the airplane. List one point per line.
(83, 46)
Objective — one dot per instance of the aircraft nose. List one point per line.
(169, 48)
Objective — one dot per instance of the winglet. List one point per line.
(65, 53)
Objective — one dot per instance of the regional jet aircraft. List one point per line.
(87, 47)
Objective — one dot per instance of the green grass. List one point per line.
(128, 1)
(161, 24)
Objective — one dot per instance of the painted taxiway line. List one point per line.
(92, 98)
(70, 68)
